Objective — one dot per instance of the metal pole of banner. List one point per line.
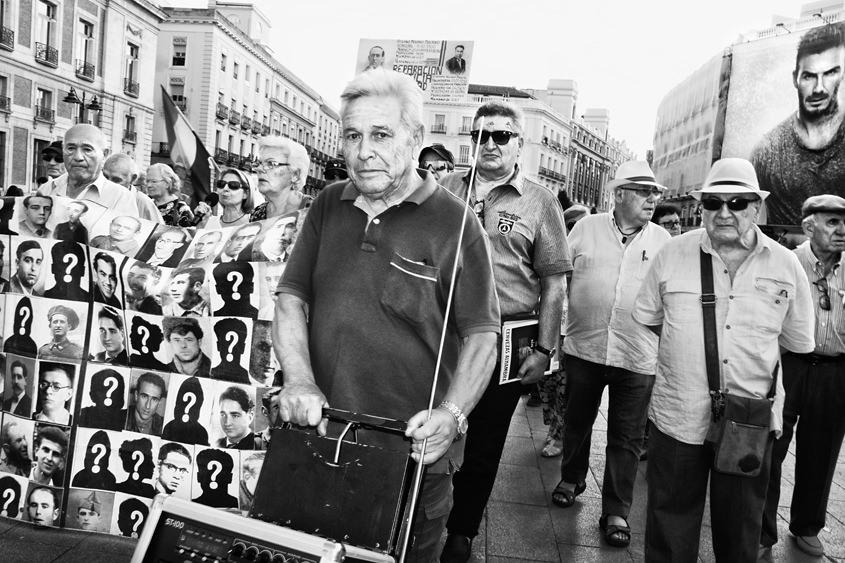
(416, 484)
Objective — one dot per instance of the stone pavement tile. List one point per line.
(583, 554)
(518, 484)
(578, 524)
(835, 510)
(519, 530)
(519, 427)
(519, 450)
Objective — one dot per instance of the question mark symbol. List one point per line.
(111, 383)
(218, 467)
(139, 459)
(71, 260)
(233, 336)
(145, 335)
(99, 450)
(191, 400)
(239, 277)
(26, 313)
(139, 516)
(9, 495)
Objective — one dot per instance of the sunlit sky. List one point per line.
(625, 56)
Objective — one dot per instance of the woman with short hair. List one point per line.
(163, 187)
(282, 171)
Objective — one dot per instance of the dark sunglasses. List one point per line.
(499, 137)
(49, 157)
(430, 166)
(735, 204)
(336, 175)
(231, 184)
(824, 298)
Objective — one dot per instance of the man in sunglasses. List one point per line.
(335, 170)
(525, 226)
(763, 305)
(53, 159)
(814, 383)
(438, 160)
(372, 267)
(803, 156)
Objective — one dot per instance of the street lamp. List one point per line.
(72, 98)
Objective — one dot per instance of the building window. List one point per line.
(235, 70)
(180, 48)
(257, 82)
(223, 62)
(464, 154)
(129, 134)
(85, 50)
(44, 105)
(131, 85)
(47, 25)
(266, 87)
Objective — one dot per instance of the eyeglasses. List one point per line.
(440, 168)
(231, 184)
(52, 158)
(670, 224)
(268, 165)
(499, 137)
(44, 385)
(656, 193)
(176, 468)
(735, 204)
(824, 298)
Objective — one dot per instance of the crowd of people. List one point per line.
(393, 299)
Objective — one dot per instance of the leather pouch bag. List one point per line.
(740, 435)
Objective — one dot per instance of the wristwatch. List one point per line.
(546, 351)
(458, 414)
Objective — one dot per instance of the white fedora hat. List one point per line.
(634, 172)
(731, 176)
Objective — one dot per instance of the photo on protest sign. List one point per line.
(95, 459)
(188, 413)
(74, 218)
(233, 416)
(59, 328)
(230, 357)
(43, 504)
(277, 237)
(250, 469)
(440, 68)
(233, 292)
(238, 243)
(147, 402)
(12, 491)
(107, 341)
(269, 274)
(184, 292)
(7, 210)
(204, 248)
(50, 445)
(107, 283)
(216, 478)
(188, 344)
(18, 326)
(19, 385)
(147, 348)
(104, 397)
(129, 515)
(165, 246)
(27, 268)
(16, 450)
(89, 510)
(123, 234)
(263, 366)
(174, 467)
(135, 464)
(142, 287)
(57, 383)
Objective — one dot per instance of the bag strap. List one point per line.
(708, 309)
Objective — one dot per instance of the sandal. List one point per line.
(615, 536)
(565, 498)
(552, 448)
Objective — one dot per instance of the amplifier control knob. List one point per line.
(263, 557)
(251, 553)
(279, 558)
(237, 550)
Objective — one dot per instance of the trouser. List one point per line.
(815, 393)
(485, 439)
(677, 476)
(430, 517)
(627, 409)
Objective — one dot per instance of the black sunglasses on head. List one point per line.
(735, 204)
(499, 137)
(231, 184)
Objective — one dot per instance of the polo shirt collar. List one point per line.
(418, 196)
(516, 180)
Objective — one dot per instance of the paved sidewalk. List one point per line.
(521, 524)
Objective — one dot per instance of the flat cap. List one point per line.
(67, 312)
(825, 203)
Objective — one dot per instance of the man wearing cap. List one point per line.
(524, 224)
(53, 157)
(814, 383)
(84, 152)
(335, 170)
(73, 230)
(438, 160)
(61, 320)
(89, 512)
(604, 347)
(803, 154)
(763, 304)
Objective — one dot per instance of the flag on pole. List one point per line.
(186, 148)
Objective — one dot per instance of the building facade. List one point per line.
(215, 64)
(64, 62)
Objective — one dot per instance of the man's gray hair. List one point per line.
(387, 83)
(297, 155)
(504, 109)
(117, 158)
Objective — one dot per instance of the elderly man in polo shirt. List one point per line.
(372, 267)
(84, 153)
(814, 383)
(763, 304)
(604, 347)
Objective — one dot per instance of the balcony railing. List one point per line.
(465, 131)
(233, 160)
(43, 113)
(5, 104)
(246, 122)
(45, 54)
(7, 38)
(221, 156)
(222, 111)
(247, 163)
(234, 117)
(256, 127)
(438, 128)
(85, 70)
(163, 149)
(265, 130)
(180, 101)
(131, 88)
(130, 136)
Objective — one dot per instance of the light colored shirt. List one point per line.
(114, 197)
(830, 325)
(605, 281)
(767, 306)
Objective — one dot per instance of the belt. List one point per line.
(819, 358)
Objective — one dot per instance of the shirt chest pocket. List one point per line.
(769, 303)
(410, 289)
(682, 302)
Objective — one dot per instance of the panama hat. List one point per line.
(731, 176)
(634, 172)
